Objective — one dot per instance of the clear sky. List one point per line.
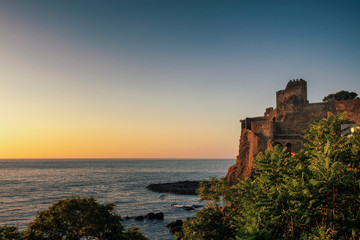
(161, 78)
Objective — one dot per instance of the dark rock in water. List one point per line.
(183, 187)
(189, 208)
(198, 206)
(150, 215)
(139, 218)
(175, 226)
(159, 215)
(174, 223)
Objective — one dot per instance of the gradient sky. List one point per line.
(161, 79)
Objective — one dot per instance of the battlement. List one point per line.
(296, 83)
(295, 90)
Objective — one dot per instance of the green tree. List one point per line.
(314, 194)
(79, 218)
(334, 179)
(213, 221)
(342, 95)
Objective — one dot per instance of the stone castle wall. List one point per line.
(284, 125)
(352, 107)
(265, 128)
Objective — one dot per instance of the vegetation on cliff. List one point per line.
(342, 95)
(74, 219)
(314, 194)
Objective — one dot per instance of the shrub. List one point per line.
(311, 195)
(10, 233)
(79, 218)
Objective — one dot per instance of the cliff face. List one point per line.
(250, 146)
(242, 168)
(284, 125)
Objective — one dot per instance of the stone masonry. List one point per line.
(284, 125)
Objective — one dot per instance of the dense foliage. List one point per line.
(314, 194)
(75, 219)
(342, 95)
(10, 233)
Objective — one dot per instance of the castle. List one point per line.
(284, 125)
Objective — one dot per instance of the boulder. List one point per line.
(189, 208)
(150, 215)
(182, 187)
(139, 218)
(175, 226)
(159, 215)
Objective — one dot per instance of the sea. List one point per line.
(31, 185)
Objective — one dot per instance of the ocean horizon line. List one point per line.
(107, 158)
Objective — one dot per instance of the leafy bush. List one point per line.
(74, 219)
(10, 233)
(314, 194)
(209, 223)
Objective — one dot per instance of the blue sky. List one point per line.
(126, 74)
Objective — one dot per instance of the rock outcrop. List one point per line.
(182, 187)
(284, 125)
(175, 226)
(151, 215)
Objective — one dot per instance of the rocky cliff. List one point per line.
(250, 146)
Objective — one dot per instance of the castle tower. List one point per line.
(295, 93)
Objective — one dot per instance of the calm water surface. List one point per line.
(28, 186)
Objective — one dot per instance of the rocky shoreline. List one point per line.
(182, 187)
